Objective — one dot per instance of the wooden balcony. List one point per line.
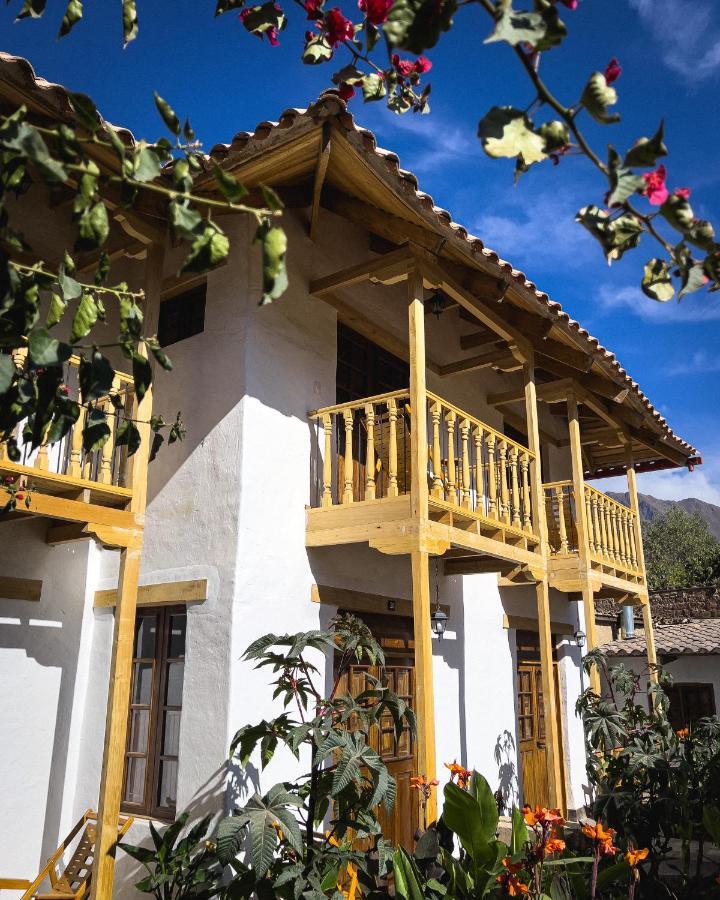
(61, 481)
(612, 553)
(478, 482)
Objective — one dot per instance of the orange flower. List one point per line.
(512, 884)
(542, 816)
(603, 839)
(682, 733)
(420, 781)
(462, 774)
(512, 867)
(554, 845)
(633, 857)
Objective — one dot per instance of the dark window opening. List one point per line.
(364, 369)
(151, 756)
(182, 316)
(690, 702)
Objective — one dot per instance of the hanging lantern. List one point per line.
(437, 304)
(438, 617)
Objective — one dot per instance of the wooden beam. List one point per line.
(72, 510)
(497, 356)
(113, 764)
(477, 339)
(320, 172)
(521, 623)
(424, 693)
(550, 392)
(20, 588)
(640, 550)
(390, 265)
(363, 601)
(164, 594)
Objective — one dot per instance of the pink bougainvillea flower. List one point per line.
(571, 4)
(682, 192)
(336, 27)
(613, 71)
(422, 65)
(407, 67)
(376, 11)
(655, 188)
(346, 91)
(313, 9)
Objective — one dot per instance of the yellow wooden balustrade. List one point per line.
(611, 527)
(66, 457)
(364, 454)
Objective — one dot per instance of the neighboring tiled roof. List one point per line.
(699, 637)
(331, 106)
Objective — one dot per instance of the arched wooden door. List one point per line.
(399, 754)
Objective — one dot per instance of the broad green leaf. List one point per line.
(623, 184)
(616, 234)
(142, 374)
(541, 29)
(7, 371)
(463, 816)
(167, 113)
(407, 877)
(208, 249)
(416, 25)
(645, 152)
(317, 50)
(70, 288)
(146, 165)
(229, 186)
(274, 246)
(656, 281)
(45, 350)
(85, 111)
(597, 96)
(32, 9)
(127, 434)
(130, 21)
(93, 227)
(86, 315)
(95, 434)
(692, 279)
(678, 212)
(230, 838)
(555, 134)
(73, 14)
(262, 18)
(185, 220)
(702, 234)
(56, 310)
(480, 790)
(96, 377)
(508, 132)
(519, 836)
(373, 87)
(612, 874)
(21, 137)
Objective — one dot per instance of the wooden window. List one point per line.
(182, 316)
(690, 702)
(151, 756)
(364, 369)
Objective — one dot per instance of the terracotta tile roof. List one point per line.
(330, 106)
(695, 637)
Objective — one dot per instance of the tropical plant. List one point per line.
(657, 787)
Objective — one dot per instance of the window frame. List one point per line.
(681, 689)
(153, 752)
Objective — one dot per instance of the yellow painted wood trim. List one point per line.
(20, 588)
(164, 594)
(43, 479)
(523, 623)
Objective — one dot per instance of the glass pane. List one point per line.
(139, 730)
(176, 644)
(171, 732)
(167, 794)
(142, 683)
(145, 638)
(135, 780)
(173, 693)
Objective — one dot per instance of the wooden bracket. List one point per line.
(320, 172)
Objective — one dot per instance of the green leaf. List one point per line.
(142, 374)
(45, 350)
(130, 21)
(56, 310)
(70, 288)
(22, 138)
(73, 14)
(711, 821)
(7, 371)
(373, 87)
(317, 50)
(508, 132)
(692, 279)
(32, 9)
(274, 246)
(223, 6)
(141, 854)
(95, 433)
(519, 837)
(645, 152)
(597, 96)
(85, 111)
(612, 874)
(485, 799)
(229, 186)
(656, 282)
(416, 25)
(167, 113)
(230, 838)
(407, 877)
(185, 220)
(541, 29)
(93, 227)
(617, 234)
(86, 315)
(262, 18)
(469, 821)
(207, 250)
(146, 165)
(127, 434)
(555, 134)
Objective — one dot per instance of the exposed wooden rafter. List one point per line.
(321, 168)
(383, 268)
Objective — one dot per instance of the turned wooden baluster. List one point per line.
(527, 507)
(610, 529)
(589, 522)
(600, 512)
(451, 463)
(515, 487)
(370, 452)
(109, 445)
(626, 538)
(504, 492)
(437, 485)
(392, 450)
(479, 474)
(76, 446)
(562, 528)
(631, 541)
(348, 474)
(465, 467)
(327, 499)
(493, 511)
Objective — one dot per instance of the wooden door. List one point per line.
(399, 754)
(532, 744)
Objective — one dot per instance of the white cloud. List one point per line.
(695, 308)
(672, 484)
(698, 363)
(687, 33)
(438, 141)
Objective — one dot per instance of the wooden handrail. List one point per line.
(357, 404)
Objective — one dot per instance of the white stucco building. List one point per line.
(274, 512)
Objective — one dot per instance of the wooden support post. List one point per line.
(424, 692)
(588, 597)
(640, 553)
(650, 641)
(552, 734)
(113, 765)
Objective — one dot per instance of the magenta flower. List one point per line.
(655, 188)
(376, 11)
(682, 192)
(613, 70)
(337, 28)
(571, 4)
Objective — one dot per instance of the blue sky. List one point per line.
(227, 80)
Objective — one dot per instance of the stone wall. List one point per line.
(670, 605)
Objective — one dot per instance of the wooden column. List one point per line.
(581, 525)
(552, 734)
(640, 553)
(422, 630)
(111, 778)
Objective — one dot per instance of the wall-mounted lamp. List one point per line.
(437, 304)
(438, 617)
(579, 638)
